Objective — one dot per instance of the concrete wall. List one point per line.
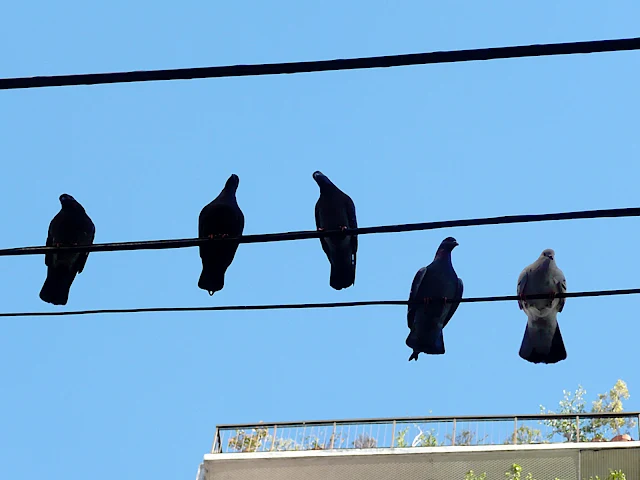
(565, 461)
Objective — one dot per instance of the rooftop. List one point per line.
(425, 432)
(548, 445)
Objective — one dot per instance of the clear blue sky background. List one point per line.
(138, 396)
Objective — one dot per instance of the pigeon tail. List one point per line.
(536, 348)
(57, 285)
(430, 341)
(210, 280)
(343, 272)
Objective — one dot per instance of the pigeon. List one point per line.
(431, 285)
(70, 226)
(219, 219)
(542, 342)
(335, 210)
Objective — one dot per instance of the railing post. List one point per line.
(578, 428)
(638, 427)
(216, 443)
(515, 430)
(273, 440)
(453, 434)
(333, 437)
(393, 434)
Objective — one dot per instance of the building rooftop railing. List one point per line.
(434, 431)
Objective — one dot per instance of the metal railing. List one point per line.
(426, 432)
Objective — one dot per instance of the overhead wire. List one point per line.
(300, 306)
(566, 48)
(303, 235)
(451, 56)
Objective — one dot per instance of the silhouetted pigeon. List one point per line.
(431, 285)
(335, 210)
(220, 218)
(71, 226)
(542, 342)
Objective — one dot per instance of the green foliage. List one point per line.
(365, 441)
(243, 442)
(260, 440)
(595, 429)
(466, 438)
(525, 435)
(400, 440)
(424, 438)
(613, 475)
(514, 473)
(470, 475)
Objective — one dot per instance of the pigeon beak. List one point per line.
(455, 243)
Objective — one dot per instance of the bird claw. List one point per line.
(320, 229)
(343, 228)
(427, 300)
(444, 300)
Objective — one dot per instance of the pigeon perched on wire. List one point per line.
(542, 342)
(433, 285)
(71, 226)
(336, 211)
(219, 219)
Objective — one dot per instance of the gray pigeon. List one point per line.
(431, 285)
(220, 218)
(335, 210)
(542, 342)
(71, 226)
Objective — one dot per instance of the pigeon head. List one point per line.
(445, 248)
(322, 180)
(232, 183)
(65, 197)
(67, 201)
(448, 244)
(548, 254)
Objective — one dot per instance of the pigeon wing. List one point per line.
(413, 295)
(561, 288)
(454, 306)
(320, 223)
(522, 282)
(87, 236)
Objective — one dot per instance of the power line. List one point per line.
(300, 306)
(303, 235)
(540, 50)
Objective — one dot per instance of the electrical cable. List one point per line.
(303, 235)
(519, 51)
(300, 306)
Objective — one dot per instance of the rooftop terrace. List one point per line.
(384, 433)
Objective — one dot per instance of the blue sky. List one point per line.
(138, 396)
